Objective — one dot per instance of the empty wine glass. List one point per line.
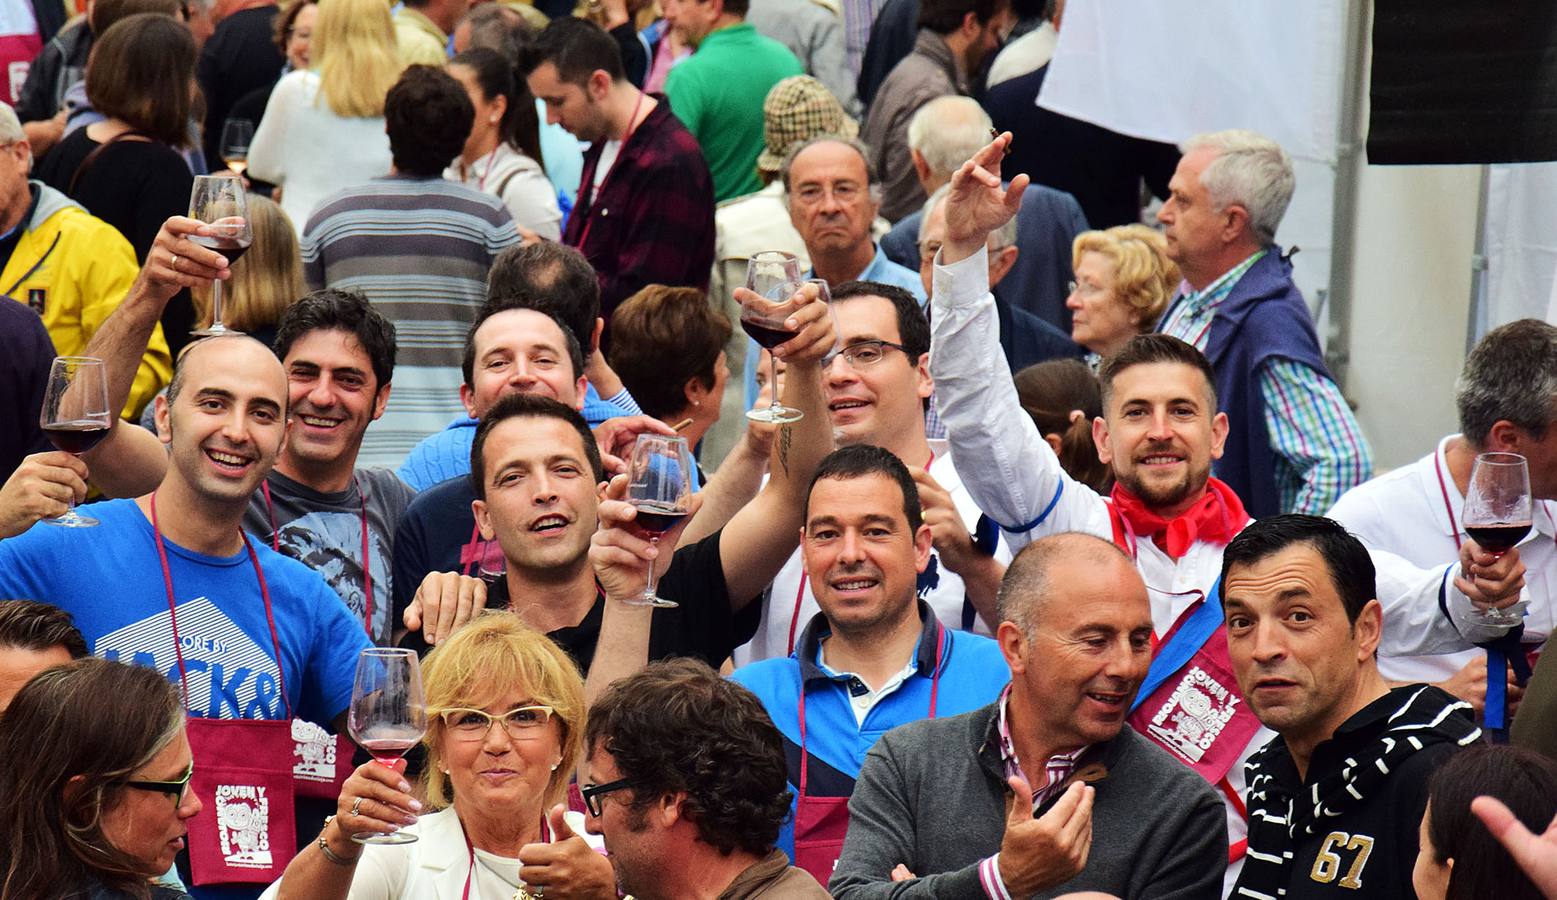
(774, 276)
(660, 488)
(236, 135)
(75, 416)
(1497, 513)
(219, 201)
(388, 714)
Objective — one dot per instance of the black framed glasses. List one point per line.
(863, 353)
(593, 792)
(178, 790)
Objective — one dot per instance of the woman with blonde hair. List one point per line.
(323, 129)
(1124, 281)
(265, 280)
(505, 712)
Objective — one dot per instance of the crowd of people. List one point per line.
(1061, 571)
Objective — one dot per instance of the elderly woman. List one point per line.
(94, 796)
(505, 728)
(1124, 280)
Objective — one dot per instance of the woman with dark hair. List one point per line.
(127, 169)
(668, 343)
(1458, 858)
(1063, 398)
(502, 156)
(94, 795)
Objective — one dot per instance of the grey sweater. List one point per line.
(932, 796)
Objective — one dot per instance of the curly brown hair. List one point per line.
(678, 727)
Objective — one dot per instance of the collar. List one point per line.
(1214, 293)
(25, 222)
(757, 876)
(280, 482)
(933, 46)
(1094, 761)
(808, 648)
(728, 32)
(443, 843)
(417, 18)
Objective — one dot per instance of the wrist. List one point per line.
(336, 845)
(955, 251)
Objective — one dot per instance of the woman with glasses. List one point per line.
(94, 794)
(505, 729)
(1124, 281)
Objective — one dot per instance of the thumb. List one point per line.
(1022, 804)
(559, 823)
(413, 615)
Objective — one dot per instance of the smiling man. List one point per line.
(1335, 799)
(1043, 791)
(874, 658)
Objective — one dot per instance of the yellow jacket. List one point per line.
(75, 269)
(421, 41)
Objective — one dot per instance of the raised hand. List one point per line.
(978, 203)
(1037, 854)
(567, 867)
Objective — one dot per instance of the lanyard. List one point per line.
(367, 572)
(800, 592)
(595, 192)
(935, 685)
(481, 184)
(546, 838)
(167, 581)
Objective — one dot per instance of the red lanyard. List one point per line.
(167, 582)
(367, 571)
(546, 838)
(481, 184)
(935, 686)
(594, 192)
(800, 593)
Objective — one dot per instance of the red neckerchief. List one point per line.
(1216, 517)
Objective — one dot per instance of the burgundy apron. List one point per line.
(248, 833)
(822, 822)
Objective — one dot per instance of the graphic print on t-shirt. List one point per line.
(330, 543)
(230, 676)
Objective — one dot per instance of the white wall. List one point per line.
(1410, 301)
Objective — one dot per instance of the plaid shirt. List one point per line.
(1056, 769)
(1319, 447)
(652, 221)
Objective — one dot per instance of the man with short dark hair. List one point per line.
(1044, 791)
(419, 246)
(686, 785)
(33, 637)
(718, 92)
(645, 210)
(874, 658)
(1335, 800)
(954, 38)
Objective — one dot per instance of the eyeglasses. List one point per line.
(523, 723)
(178, 790)
(1082, 288)
(863, 354)
(844, 192)
(593, 792)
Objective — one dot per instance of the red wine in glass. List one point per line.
(1500, 537)
(659, 486)
(220, 202)
(230, 247)
(764, 333)
(1497, 513)
(387, 715)
(390, 746)
(76, 437)
(658, 518)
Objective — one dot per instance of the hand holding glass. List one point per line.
(388, 714)
(774, 276)
(660, 488)
(1497, 512)
(219, 201)
(75, 416)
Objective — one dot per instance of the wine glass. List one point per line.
(1497, 513)
(388, 715)
(75, 416)
(219, 201)
(660, 488)
(774, 276)
(236, 135)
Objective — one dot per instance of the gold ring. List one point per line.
(174, 263)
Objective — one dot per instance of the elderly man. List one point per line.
(954, 38)
(718, 91)
(686, 786)
(1041, 792)
(874, 658)
(944, 134)
(1295, 445)
(1335, 799)
(1505, 397)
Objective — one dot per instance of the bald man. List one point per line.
(1040, 793)
(259, 635)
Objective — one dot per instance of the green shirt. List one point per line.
(717, 93)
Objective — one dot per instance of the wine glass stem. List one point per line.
(648, 588)
(773, 395)
(216, 303)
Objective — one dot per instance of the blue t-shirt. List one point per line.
(110, 580)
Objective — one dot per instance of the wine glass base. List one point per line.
(72, 520)
(214, 330)
(655, 601)
(775, 415)
(393, 837)
(1499, 619)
